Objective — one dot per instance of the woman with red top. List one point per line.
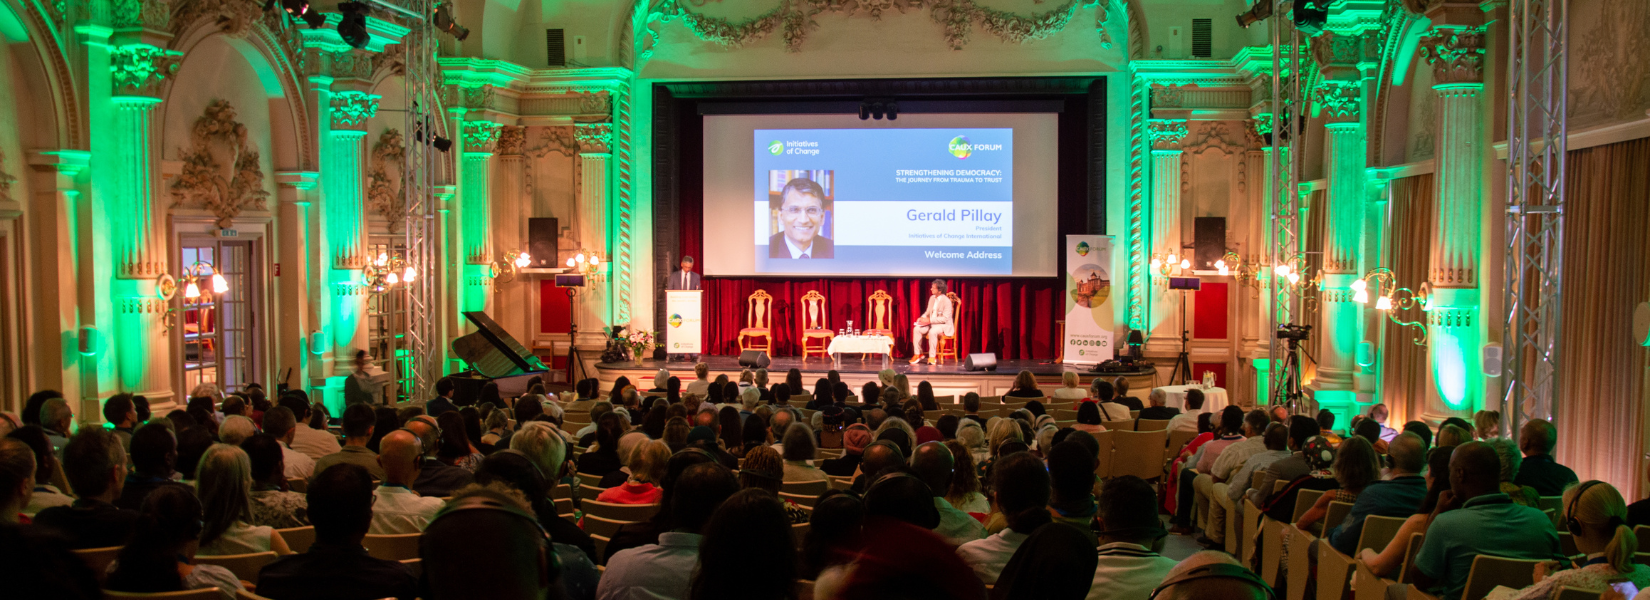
(647, 469)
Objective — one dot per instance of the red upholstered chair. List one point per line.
(816, 325)
(951, 345)
(759, 320)
(879, 314)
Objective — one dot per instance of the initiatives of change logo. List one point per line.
(776, 147)
(1082, 248)
(675, 320)
(959, 147)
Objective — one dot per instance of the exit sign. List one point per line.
(228, 233)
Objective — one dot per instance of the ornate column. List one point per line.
(594, 201)
(1377, 191)
(1454, 330)
(55, 208)
(343, 221)
(296, 318)
(515, 300)
(1263, 208)
(1166, 136)
(475, 225)
(1344, 156)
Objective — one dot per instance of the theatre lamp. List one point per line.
(1393, 300)
(385, 272)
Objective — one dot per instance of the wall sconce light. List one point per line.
(194, 276)
(1392, 300)
(587, 263)
(505, 272)
(1170, 264)
(385, 272)
(1247, 273)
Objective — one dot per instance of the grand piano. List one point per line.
(494, 355)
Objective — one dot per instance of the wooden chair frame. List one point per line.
(950, 346)
(758, 321)
(879, 314)
(813, 314)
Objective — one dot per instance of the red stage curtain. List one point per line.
(1012, 317)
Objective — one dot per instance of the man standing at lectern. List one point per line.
(684, 279)
(934, 323)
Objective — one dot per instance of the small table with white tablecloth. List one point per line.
(1214, 398)
(861, 344)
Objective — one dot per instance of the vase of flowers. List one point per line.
(641, 343)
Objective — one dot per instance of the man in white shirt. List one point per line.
(1187, 419)
(398, 509)
(665, 570)
(1226, 465)
(934, 323)
(280, 422)
(933, 463)
(1276, 439)
(314, 443)
(1020, 487)
(1130, 540)
(1103, 392)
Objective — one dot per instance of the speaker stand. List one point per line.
(1182, 361)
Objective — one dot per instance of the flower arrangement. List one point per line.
(642, 342)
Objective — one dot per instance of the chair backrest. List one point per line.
(1106, 453)
(805, 488)
(1378, 531)
(799, 531)
(99, 558)
(589, 492)
(245, 595)
(760, 310)
(1119, 425)
(1304, 499)
(1063, 414)
(1254, 479)
(1643, 533)
(956, 320)
(210, 593)
(879, 311)
(1151, 424)
(801, 499)
(1179, 439)
(1567, 544)
(1406, 570)
(1490, 571)
(598, 526)
(1570, 593)
(244, 566)
(298, 538)
(1337, 512)
(297, 484)
(561, 491)
(814, 315)
(397, 546)
(800, 400)
(1555, 504)
(416, 565)
(1138, 453)
(630, 513)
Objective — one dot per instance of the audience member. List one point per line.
(514, 564)
(603, 457)
(1320, 459)
(435, 478)
(160, 555)
(56, 417)
(1069, 388)
(799, 448)
(1486, 424)
(1356, 466)
(1596, 516)
(747, 551)
(1071, 469)
(95, 466)
(1211, 484)
(1276, 439)
(1288, 468)
(1121, 385)
(1130, 541)
(154, 455)
(1088, 417)
(835, 536)
(336, 566)
(1025, 386)
(1326, 427)
(534, 466)
(1278, 413)
(963, 491)
(676, 432)
(1453, 435)
(664, 570)
(192, 445)
(272, 503)
(1536, 439)
(31, 414)
(1020, 487)
(1211, 574)
(282, 423)
(1474, 519)
(764, 469)
(398, 508)
(932, 462)
(225, 489)
(647, 469)
(1055, 563)
(1187, 419)
(386, 419)
(312, 442)
(1159, 410)
(121, 413)
(1386, 561)
(360, 427)
(453, 444)
(1396, 496)
(235, 429)
(880, 456)
(16, 479)
(854, 440)
(1511, 463)
(902, 557)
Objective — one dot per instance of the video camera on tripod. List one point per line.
(1294, 333)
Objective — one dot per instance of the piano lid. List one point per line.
(492, 351)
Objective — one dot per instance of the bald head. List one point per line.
(933, 462)
(1408, 452)
(780, 422)
(1537, 437)
(1209, 585)
(1474, 470)
(400, 453)
(879, 456)
(425, 427)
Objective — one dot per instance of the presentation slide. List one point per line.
(904, 199)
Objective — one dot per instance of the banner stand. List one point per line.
(1090, 322)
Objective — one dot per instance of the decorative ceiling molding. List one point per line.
(1456, 54)
(221, 171)
(1231, 137)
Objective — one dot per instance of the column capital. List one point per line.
(1340, 101)
(480, 137)
(1166, 134)
(1261, 126)
(1456, 54)
(140, 69)
(350, 110)
(511, 140)
(68, 162)
(594, 138)
(302, 180)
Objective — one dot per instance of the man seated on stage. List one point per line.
(802, 207)
(684, 279)
(934, 323)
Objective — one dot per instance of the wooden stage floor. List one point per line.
(948, 378)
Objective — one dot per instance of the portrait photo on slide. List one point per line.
(801, 219)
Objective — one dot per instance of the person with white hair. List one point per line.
(1069, 390)
(540, 443)
(235, 429)
(56, 418)
(659, 380)
(972, 436)
(748, 400)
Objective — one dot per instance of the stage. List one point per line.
(948, 379)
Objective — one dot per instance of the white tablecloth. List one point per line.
(1214, 399)
(856, 344)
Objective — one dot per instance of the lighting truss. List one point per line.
(421, 227)
(1284, 224)
(1537, 131)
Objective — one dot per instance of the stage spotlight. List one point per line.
(354, 26)
(443, 19)
(864, 111)
(876, 110)
(892, 110)
(1311, 15)
(1261, 11)
(442, 144)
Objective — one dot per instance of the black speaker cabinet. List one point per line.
(541, 241)
(754, 358)
(1211, 242)
(981, 362)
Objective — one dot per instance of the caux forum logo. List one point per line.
(960, 147)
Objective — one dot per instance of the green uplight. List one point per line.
(1450, 370)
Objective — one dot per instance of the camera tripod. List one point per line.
(575, 365)
(1287, 391)
(1183, 361)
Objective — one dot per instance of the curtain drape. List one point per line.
(1606, 273)
(998, 315)
(1404, 372)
